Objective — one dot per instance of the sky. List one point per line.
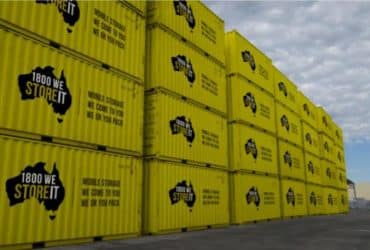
(324, 48)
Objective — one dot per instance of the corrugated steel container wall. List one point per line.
(242, 57)
(326, 148)
(343, 206)
(192, 20)
(176, 129)
(252, 150)
(285, 91)
(293, 198)
(313, 168)
(138, 5)
(307, 110)
(50, 93)
(328, 173)
(288, 125)
(291, 161)
(330, 201)
(315, 199)
(310, 139)
(56, 193)
(106, 31)
(339, 157)
(341, 179)
(184, 70)
(248, 103)
(179, 196)
(324, 124)
(254, 197)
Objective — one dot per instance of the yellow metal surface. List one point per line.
(49, 93)
(291, 161)
(103, 30)
(138, 5)
(63, 193)
(315, 199)
(310, 139)
(339, 158)
(242, 57)
(313, 168)
(325, 123)
(192, 20)
(176, 129)
(288, 125)
(341, 179)
(184, 70)
(330, 201)
(328, 173)
(252, 150)
(293, 198)
(326, 146)
(179, 196)
(307, 110)
(253, 198)
(343, 206)
(285, 91)
(248, 103)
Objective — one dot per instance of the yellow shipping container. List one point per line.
(192, 20)
(339, 157)
(182, 69)
(310, 139)
(291, 161)
(49, 93)
(313, 168)
(326, 147)
(180, 197)
(343, 206)
(288, 125)
(325, 124)
(328, 173)
(243, 58)
(330, 201)
(293, 198)
(341, 179)
(103, 30)
(176, 129)
(307, 110)
(253, 198)
(248, 103)
(138, 5)
(252, 150)
(285, 91)
(56, 193)
(315, 204)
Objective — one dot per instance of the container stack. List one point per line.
(71, 121)
(254, 185)
(185, 130)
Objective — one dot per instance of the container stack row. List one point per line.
(71, 125)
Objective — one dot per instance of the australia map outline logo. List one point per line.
(288, 159)
(251, 147)
(308, 138)
(253, 196)
(183, 9)
(68, 8)
(249, 58)
(285, 122)
(290, 197)
(183, 192)
(250, 101)
(283, 88)
(42, 83)
(310, 167)
(313, 199)
(180, 63)
(36, 182)
(181, 125)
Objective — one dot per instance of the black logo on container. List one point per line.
(288, 158)
(35, 182)
(283, 88)
(183, 192)
(330, 200)
(310, 167)
(183, 9)
(253, 196)
(251, 147)
(306, 108)
(249, 101)
(42, 83)
(328, 173)
(326, 146)
(180, 63)
(308, 138)
(68, 8)
(284, 122)
(313, 198)
(181, 125)
(249, 58)
(290, 197)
